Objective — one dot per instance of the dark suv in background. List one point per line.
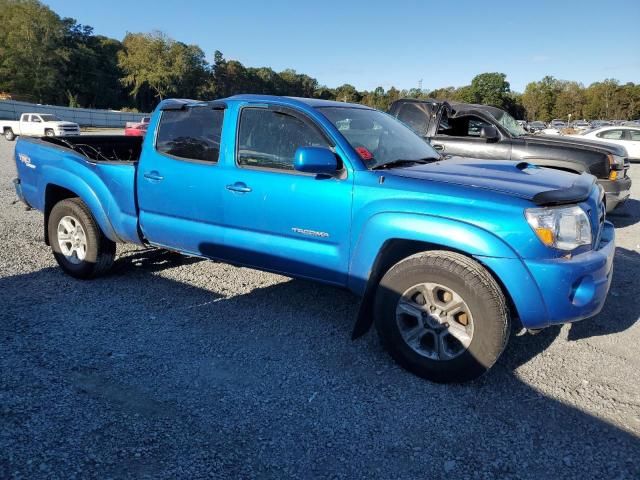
(485, 132)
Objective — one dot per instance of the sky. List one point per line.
(397, 43)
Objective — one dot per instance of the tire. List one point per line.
(49, 133)
(9, 135)
(99, 252)
(442, 347)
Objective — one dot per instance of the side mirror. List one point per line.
(490, 134)
(318, 160)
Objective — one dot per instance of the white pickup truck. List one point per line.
(37, 125)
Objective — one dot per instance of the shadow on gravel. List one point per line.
(626, 215)
(156, 377)
(150, 260)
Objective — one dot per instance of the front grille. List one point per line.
(602, 213)
(597, 212)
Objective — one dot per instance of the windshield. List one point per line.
(49, 118)
(510, 123)
(378, 138)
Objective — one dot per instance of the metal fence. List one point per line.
(85, 117)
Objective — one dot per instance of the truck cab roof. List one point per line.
(179, 103)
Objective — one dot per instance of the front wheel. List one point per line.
(78, 244)
(9, 135)
(442, 316)
(49, 133)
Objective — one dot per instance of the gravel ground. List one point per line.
(177, 367)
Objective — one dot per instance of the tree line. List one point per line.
(49, 59)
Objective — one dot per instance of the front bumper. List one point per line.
(575, 288)
(549, 291)
(616, 191)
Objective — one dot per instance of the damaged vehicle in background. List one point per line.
(490, 133)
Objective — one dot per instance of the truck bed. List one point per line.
(101, 148)
(99, 169)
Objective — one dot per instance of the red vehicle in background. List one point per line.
(137, 129)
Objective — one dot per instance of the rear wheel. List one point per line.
(442, 316)
(78, 244)
(9, 135)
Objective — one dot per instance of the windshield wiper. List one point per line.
(404, 162)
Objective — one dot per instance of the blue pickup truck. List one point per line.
(445, 253)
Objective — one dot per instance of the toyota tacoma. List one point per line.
(445, 254)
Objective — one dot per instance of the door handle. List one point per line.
(153, 176)
(438, 146)
(239, 187)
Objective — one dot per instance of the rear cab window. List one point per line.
(191, 134)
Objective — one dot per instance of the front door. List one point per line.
(460, 136)
(33, 126)
(277, 218)
(179, 181)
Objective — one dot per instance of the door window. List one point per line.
(462, 126)
(634, 135)
(473, 130)
(611, 134)
(191, 134)
(270, 138)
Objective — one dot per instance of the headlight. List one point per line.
(564, 228)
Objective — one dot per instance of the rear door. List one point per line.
(633, 143)
(459, 135)
(280, 219)
(613, 135)
(179, 183)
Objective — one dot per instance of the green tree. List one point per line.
(570, 99)
(325, 93)
(446, 93)
(91, 73)
(603, 99)
(490, 89)
(297, 84)
(465, 94)
(629, 101)
(515, 106)
(167, 67)
(32, 51)
(539, 99)
(348, 93)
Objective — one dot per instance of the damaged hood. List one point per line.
(575, 142)
(542, 186)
